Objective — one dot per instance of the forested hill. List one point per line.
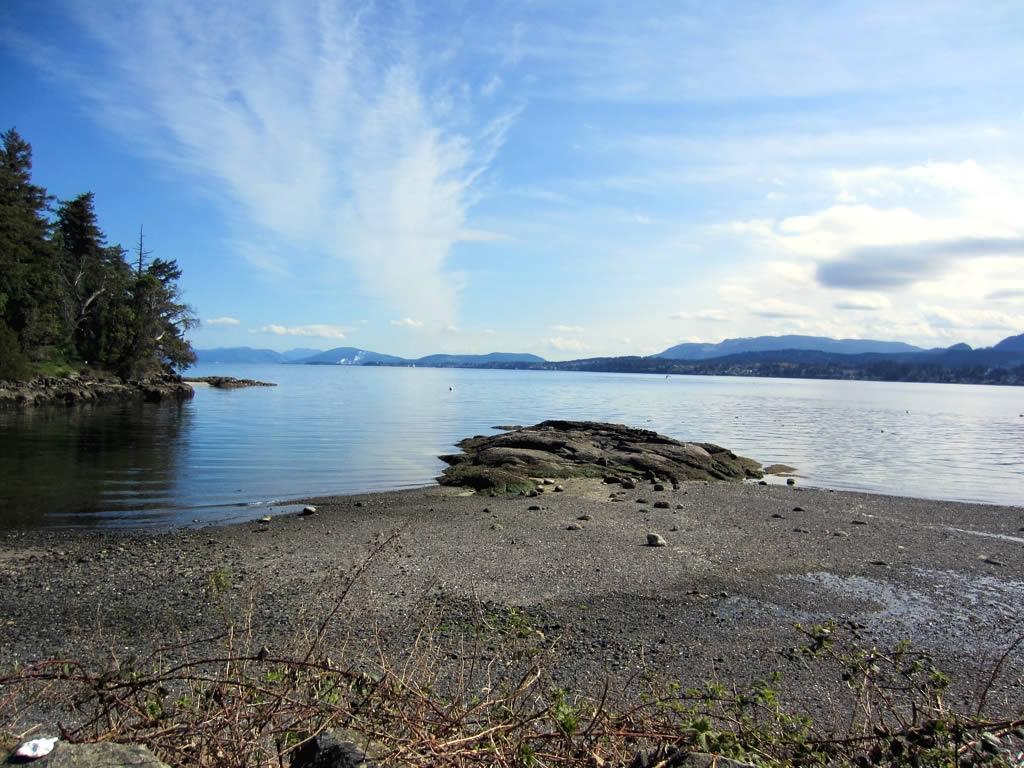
(68, 298)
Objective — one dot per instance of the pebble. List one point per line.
(841, 534)
(790, 481)
(497, 526)
(307, 510)
(858, 522)
(559, 489)
(628, 484)
(674, 528)
(574, 527)
(264, 519)
(880, 562)
(585, 518)
(659, 487)
(641, 501)
(800, 530)
(762, 482)
(548, 481)
(992, 561)
(777, 516)
(661, 505)
(679, 506)
(656, 540)
(798, 509)
(533, 508)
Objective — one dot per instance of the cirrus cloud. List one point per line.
(223, 321)
(315, 330)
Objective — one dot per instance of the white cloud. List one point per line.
(779, 310)
(864, 302)
(709, 315)
(450, 329)
(563, 344)
(223, 321)
(316, 131)
(567, 328)
(315, 331)
(407, 322)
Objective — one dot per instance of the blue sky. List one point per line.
(565, 178)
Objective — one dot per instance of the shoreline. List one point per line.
(742, 565)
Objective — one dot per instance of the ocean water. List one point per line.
(237, 454)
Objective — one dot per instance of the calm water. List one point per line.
(232, 454)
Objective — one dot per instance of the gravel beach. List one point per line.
(743, 563)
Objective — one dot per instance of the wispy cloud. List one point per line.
(864, 302)
(315, 331)
(1005, 294)
(567, 328)
(316, 125)
(777, 309)
(711, 315)
(407, 322)
(223, 321)
(563, 344)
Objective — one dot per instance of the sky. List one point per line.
(570, 179)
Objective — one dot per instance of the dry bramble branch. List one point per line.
(228, 701)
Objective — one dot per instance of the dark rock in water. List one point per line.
(329, 751)
(779, 469)
(562, 449)
(229, 382)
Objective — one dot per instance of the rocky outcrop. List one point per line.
(228, 382)
(506, 463)
(66, 391)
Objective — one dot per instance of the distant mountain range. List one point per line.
(779, 343)
(356, 356)
(773, 356)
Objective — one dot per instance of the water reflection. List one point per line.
(340, 430)
(89, 464)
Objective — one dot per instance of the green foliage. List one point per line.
(62, 286)
(13, 363)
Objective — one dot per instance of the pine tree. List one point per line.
(29, 289)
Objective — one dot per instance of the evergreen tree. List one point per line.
(62, 285)
(29, 289)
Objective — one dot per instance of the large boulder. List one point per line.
(506, 463)
(330, 750)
